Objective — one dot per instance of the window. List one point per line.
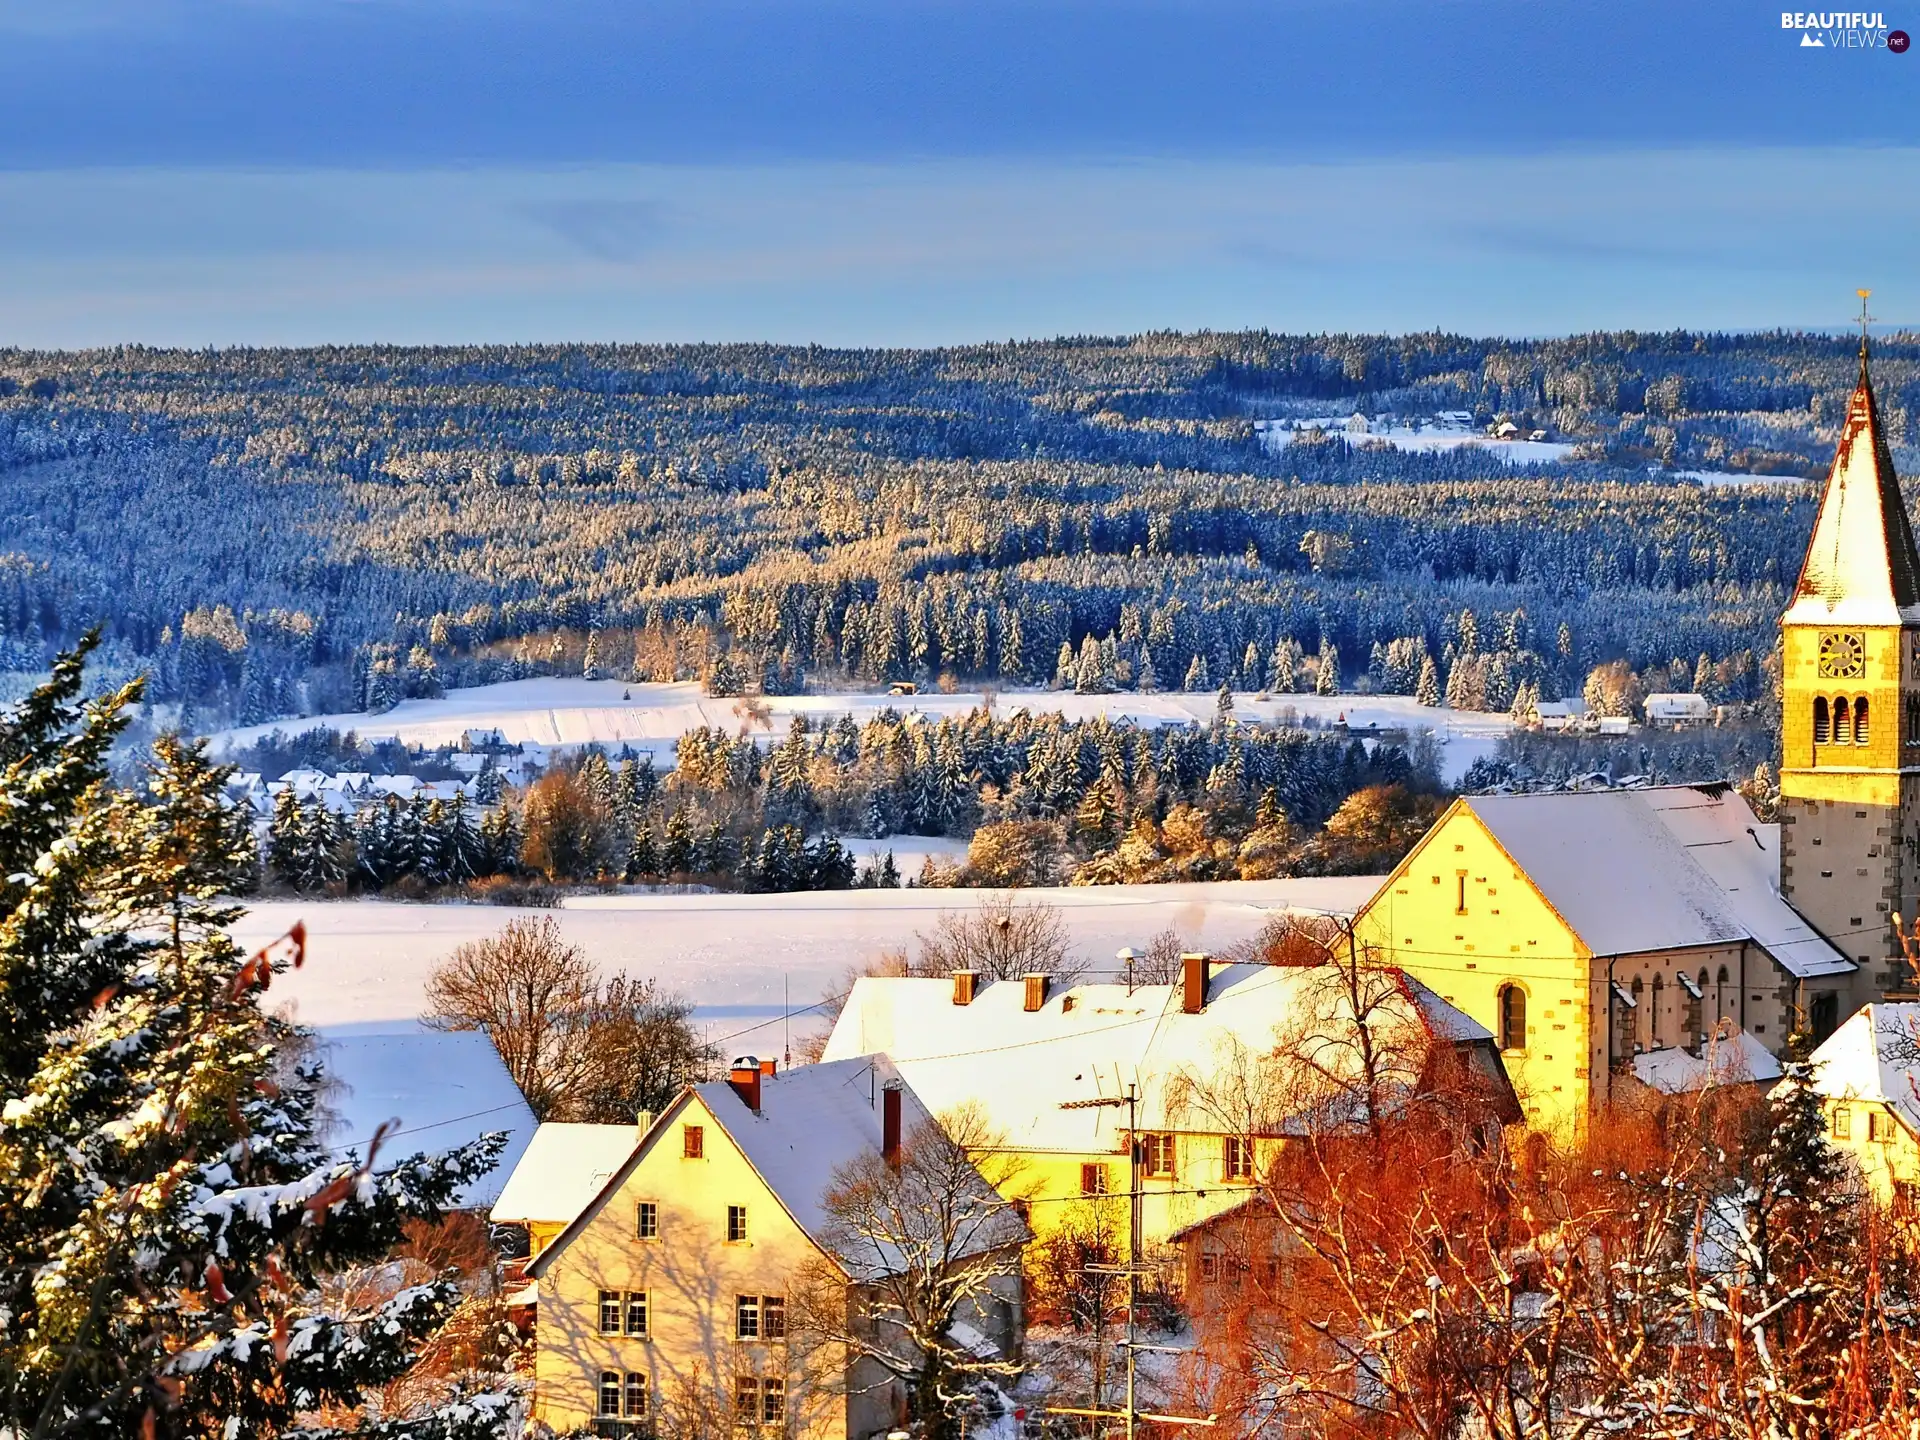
(693, 1142)
(648, 1226)
(746, 1399)
(1209, 1267)
(610, 1394)
(637, 1313)
(609, 1312)
(1823, 1016)
(636, 1396)
(773, 1401)
(1156, 1154)
(1236, 1159)
(1820, 720)
(1842, 722)
(1879, 1128)
(773, 1317)
(1460, 892)
(1093, 1179)
(736, 1224)
(1860, 721)
(1513, 1018)
(746, 1317)
(1842, 1123)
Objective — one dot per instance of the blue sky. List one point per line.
(285, 171)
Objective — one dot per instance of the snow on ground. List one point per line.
(1713, 479)
(909, 851)
(651, 717)
(1276, 435)
(740, 958)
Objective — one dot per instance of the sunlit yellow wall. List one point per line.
(1883, 1163)
(1507, 934)
(692, 1275)
(1830, 772)
(1049, 1183)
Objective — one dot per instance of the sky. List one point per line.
(931, 171)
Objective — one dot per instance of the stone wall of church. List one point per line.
(1848, 868)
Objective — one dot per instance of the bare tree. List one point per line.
(1003, 939)
(578, 1047)
(923, 1246)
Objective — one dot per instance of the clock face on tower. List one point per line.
(1843, 655)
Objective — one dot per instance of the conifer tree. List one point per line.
(284, 838)
(162, 1281)
(676, 856)
(1427, 691)
(643, 856)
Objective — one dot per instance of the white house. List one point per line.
(1673, 711)
(1556, 715)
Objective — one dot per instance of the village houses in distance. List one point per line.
(1563, 953)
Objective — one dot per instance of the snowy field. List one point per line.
(1276, 435)
(740, 958)
(564, 712)
(1714, 479)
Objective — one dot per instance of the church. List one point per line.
(1620, 937)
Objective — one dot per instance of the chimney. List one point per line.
(642, 1122)
(768, 1068)
(745, 1079)
(1193, 982)
(1037, 987)
(890, 1123)
(966, 984)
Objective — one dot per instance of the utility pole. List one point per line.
(1132, 1414)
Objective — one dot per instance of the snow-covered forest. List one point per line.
(272, 533)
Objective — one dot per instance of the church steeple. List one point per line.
(1850, 710)
(1861, 568)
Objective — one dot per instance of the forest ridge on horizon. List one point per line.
(271, 533)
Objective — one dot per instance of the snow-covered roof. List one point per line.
(444, 1087)
(813, 1121)
(1729, 1058)
(1862, 1060)
(1861, 568)
(562, 1168)
(1568, 709)
(1662, 868)
(1677, 706)
(1092, 1041)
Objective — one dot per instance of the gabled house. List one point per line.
(1868, 1077)
(669, 1298)
(1048, 1065)
(563, 1168)
(1588, 929)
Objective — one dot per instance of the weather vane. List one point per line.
(1864, 318)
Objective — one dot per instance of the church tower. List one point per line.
(1850, 722)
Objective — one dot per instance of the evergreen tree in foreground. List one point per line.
(166, 1210)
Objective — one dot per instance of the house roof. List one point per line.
(444, 1087)
(1860, 568)
(813, 1121)
(1662, 868)
(1090, 1042)
(1727, 1059)
(562, 1168)
(1863, 1059)
(1678, 703)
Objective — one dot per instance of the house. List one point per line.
(561, 1170)
(1557, 715)
(1585, 928)
(436, 1089)
(1728, 1056)
(903, 687)
(1868, 1076)
(1050, 1067)
(1614, 725)
(668, 1295)
(1504, 430)
(1678, 712)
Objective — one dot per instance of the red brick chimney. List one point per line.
(1193, 982)
(1037, 988)
(745, 1079)
(890, 1123)
(966, 984)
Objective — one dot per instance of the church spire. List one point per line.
(1861, 568)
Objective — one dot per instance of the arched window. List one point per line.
(1639, 1011)
(1653, 1020)
(1513, 1018)
(1819, 719)
(1842, 722)
(1720, 1006)
(1860, 721)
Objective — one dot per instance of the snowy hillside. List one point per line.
(735, 956)
(651, 717)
